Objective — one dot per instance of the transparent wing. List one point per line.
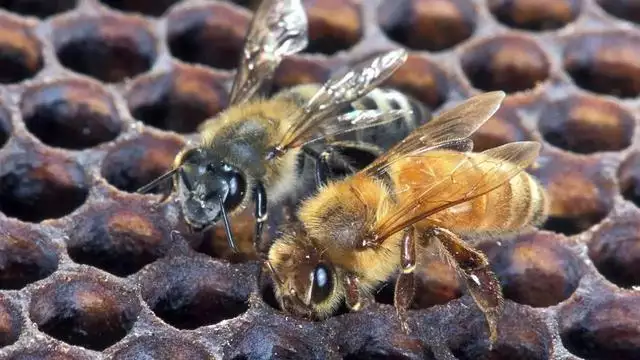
(447, 130)
(436, 182)
(338, 91)
(278, 29)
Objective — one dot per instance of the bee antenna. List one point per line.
(274, 273)
(227, 226)
(157, 181)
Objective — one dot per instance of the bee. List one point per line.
(249, 151)
(428, 190)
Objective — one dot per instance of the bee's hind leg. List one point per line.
(405, 284)
(261, 213)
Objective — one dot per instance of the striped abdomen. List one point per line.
(383, 99)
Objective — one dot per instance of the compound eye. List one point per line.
(237, 186)
(322, 284)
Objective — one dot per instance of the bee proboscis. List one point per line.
(428, 190)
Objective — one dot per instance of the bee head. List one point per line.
(205, 186)
(306, 283)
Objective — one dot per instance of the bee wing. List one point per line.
(450, 129)
(321, 110)
(279, 28)
(469, 178)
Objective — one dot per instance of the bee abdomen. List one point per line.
(383, 99)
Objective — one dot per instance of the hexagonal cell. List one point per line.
(501, 128)
(623, 9)
(161, 347)
(580, 196)
(276, 341)
(191, 292)
(28, 256)
(605, 63)
(109, 48)
(586, 125)
(119, 237)
(431, 25)
(422, 79)
(10, 322)
(334, 25)
(136, 162)
(215, 242)
(393, 346)
(534, 269)
(615, 250)
(147, 7)
(535, 15)
(20, 51)
(84, 310)
(510, 63)
(603, 328)
(211, 34)
(70, 114)
(38, 8)
(36, 186)
(521, 335)
(179, 100)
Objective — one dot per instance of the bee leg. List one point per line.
(261, 214)
(353, 296)
(405, 284)
(480, 280)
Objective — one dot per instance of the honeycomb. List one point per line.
(96, 98)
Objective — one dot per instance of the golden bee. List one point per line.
(428, 190)
(250, 151)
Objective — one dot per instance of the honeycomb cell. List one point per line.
(507, 62)
(624, 9)
(38, 8)
(615, 250)
(134, 163)
(179, 100)
(295, 70)
(535, 269)
(521, 335)
(629, 178)
(5, 126)
(580, 195)
(70, 114)
(120, 237)
(603, 329)
(586, 125)
(191, 292)
(501, 128)
(432, 25)
(10, 322)
(281, 341)
(161, 347)
(420, 78)
(147, 7)
(395, 346)
(605, 63)
(215, 243)
(109, 48)
(211, 35)
(334, 25)
(28, 256)
(36, 186)
(535, 15)
(20, 51)
(84, 311)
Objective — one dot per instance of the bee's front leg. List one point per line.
(355, 299)
(261, 213)
(405, 284)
